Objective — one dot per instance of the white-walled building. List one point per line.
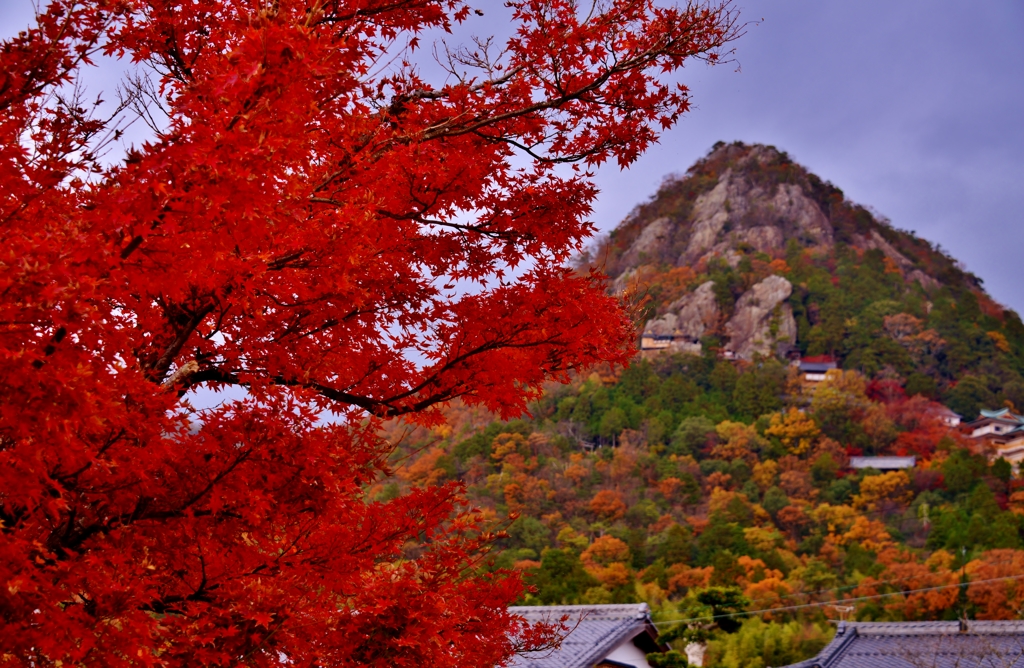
(599, 636)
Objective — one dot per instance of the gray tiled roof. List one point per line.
(920, 644)
(816, 367)
(594, 631)
(881, 463)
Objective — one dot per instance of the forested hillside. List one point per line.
(711, 477)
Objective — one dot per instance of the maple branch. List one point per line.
(386, 407)
(425, 94)
(210, 484)
(367, 13)
(65, 478)
(39, 74)
(131, 247)
(480, 229)
(575, 157)
(51, 347)
(157, 369)
(475, 229)
(639, 61)
(682, 46)
(286, 260)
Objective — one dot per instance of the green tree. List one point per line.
(612, 423)
(758, 644)
(725, 603)
(969, 396)
(962, 470)
(824, 469)
(561, 578)
(759, 390)
(774, 500)
(670, 659)
(693, 435)
(528, 532)
(1002, 469)
(720, 536)
(674, 545)
(919, 383)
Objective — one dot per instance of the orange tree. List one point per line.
(316, 224)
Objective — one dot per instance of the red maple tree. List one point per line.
(329, 232)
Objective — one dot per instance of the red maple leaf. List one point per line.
(287, 232)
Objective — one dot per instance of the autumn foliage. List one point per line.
(768, 513)
(316, 224)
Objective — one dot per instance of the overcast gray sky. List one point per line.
(915, 108)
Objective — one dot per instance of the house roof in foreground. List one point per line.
(594, 631)
(912, 644)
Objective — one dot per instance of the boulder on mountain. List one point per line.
(711, 212)
(687, 320)
(762, 319)
(698, 311)
(801, 215)
(652, 238)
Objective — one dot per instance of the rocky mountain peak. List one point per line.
(715, 241)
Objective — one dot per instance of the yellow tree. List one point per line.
(796, 430)
(891, 486)
(764, 474)
(739, 441)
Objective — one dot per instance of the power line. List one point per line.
(876, 583)
(831, 603)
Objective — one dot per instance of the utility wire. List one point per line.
(831, 603)
(876, 583)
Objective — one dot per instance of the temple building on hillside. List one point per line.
(918, 644)
(998, 426)
(650, 341)
(945, 415)
(815, 368)
(883, 463)
(598, 636)
(1003, 431)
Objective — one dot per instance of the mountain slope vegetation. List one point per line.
(711, 477)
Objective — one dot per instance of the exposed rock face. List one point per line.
(738, 211)
(926, 281)
(698, 311)
(876, 240)
(709, 217)
(762, 319)
(650, 240)
(688, 319)
(791, 205)
(744, 206)
(763, 238)
(623, 281)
